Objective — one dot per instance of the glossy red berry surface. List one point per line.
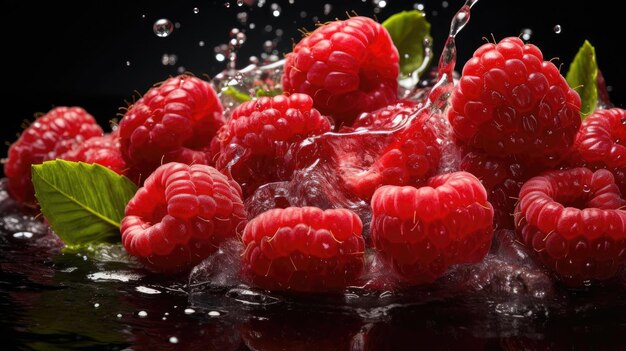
(181, 215)
(103, 150)
(304, 249)
(573, 222)
(348, 67)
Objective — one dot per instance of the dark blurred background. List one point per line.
(98, 54)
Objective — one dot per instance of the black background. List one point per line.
(62, 53)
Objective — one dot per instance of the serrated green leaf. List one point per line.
(83, 203)
(408, 29)
(582, 76)
(237, 94)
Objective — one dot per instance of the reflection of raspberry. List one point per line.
(255, 144)
(347, 67)
(48, 137)
(304, 249)
(572, 220)
(104, 150)
(502, 178)
(181, 215)
(600, 144)
(423, 231)
(174, 121)
(411, 157)
(511, 102)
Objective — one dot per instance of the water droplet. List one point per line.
(119, 315)
(252, 25)
(268, 28)
(444, 4)
(260, 3)
(327, 9)
(220, 57)
(196, 10)
(127, 63)
(143, 16)
(586, 188)
(526, 33)
(240, 3)
(275, 9)
(201, 43)
(163, 27)
(181, 70)
(142, 314)
(291, 2)
(173, 340)
(164, 318)
(177, 25)
(189, 311)
(146, 290)
(96, 305)
(23, 235)
(242, 17)
(166, 314)
(169, 59)
(302, 14)
(227, 4)
(557, 29)
(419, 7)
(214, 314)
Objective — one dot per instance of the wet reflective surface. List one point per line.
(100, 299)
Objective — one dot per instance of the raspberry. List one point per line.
(423, 231)
(573, 222)
(173, 122)
(348, 67)
(502, 178)
(599, 144)
(181, 215)
(387, 118)
(411, 157)
(511, 102)
(304, 249)
(104, 150)
(255, 144)
(48, 137)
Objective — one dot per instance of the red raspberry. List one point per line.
(348, 67)
(104, 150)
(387, 118)
(181, 215)
(599, 144)
(255, 144)
(173, 122)
(509, 102)
(304, 249)
(48, 137)
(573, 222)
(423, 231)
(410, 157)
(502, 178)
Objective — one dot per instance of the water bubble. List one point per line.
(189, 311)
(23, 235)
(196, 10)
(166, 314)
(327, 9)
(291, 2)
(268, 46)
(220, 57)
(279, 32)
(302, 14)
(242, 17)
(173, 340)
(275, 9)
(96, 305)
(444, 4)
(142, 314)
(143, 15)
(201, 43)
(127, 63)
(169, 59)
(260, 3)
(241, 38)
(586, 188)
(239, 3)
(227, 4)
(181, 69)
(164, 318)
(418, 6)
(163, 27)
(315, 19)
(214, 314)
(177, 25)
(557, 29)
(526, 33)
(252, 26)
(268, 28)
(119, 315)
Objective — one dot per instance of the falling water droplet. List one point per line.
(242, 17)
(526, 33)
(128, 63)
(419, 7)
(444, 4)
(240, 3)
(169, 59)
(557, 29)
(181, 70)
(163, 27)
(173, 340)
(119, 315)
(214, 314)
(189, 311)
(196, 10)
(275, 9)
(201, 43)
(96, 305)
(327, 9)
(142, 314)
(227, 4)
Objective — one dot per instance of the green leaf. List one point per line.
(582, 76)
(83, 203)
(261, 91)
(237, 94)
(408, 29)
